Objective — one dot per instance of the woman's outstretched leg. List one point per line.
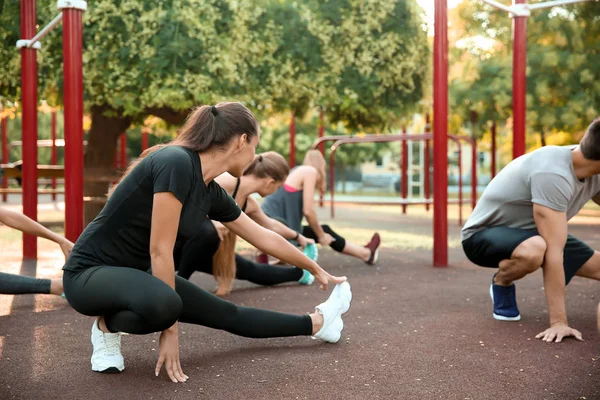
(203, 308)
(268, 275)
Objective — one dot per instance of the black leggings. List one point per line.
(197, 252)
(338, 244)
(136, 302)
(21, 284)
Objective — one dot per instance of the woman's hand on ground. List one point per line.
(169, 355)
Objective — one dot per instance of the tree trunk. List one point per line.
(99, 170)
(543, 137)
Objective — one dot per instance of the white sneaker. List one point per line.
(336, 305)
(107, 351)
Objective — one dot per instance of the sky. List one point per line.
(429, 7)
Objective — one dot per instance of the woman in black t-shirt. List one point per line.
(121, 269)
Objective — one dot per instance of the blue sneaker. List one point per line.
(505, 302)
(311, 251)
(307, 278)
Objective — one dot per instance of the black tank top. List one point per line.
(237, 186)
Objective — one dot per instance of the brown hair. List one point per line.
(208, 127)
(315, 159)
(590, 143)
(265, 165)
(269, 165)
(224, 268)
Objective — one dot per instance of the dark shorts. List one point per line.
(488, 247)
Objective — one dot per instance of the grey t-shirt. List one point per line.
(545, 176)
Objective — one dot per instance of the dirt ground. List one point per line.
(413, 332)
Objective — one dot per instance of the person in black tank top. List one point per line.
(264, 175)
(121, 269)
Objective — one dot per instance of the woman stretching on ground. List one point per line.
(295, 200)
(122, 271)
(212, 249)
(21, 284)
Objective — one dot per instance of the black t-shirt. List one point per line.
(120, 234)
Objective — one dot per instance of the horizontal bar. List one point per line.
(45, 30)
(501, 6)
(553, 4)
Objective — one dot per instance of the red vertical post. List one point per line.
(493, 166)
(73, 114)
(519, 81)
(4, 124)
(403, 171)
(321, 146)
(144, 140)
(460, 183)
(440, 135)
(53, 153)
(427, 162)
(29, 134)
(293, 141)
(474, 174)
(123, 150)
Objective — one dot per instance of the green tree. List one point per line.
(563, 81)
(360, 60)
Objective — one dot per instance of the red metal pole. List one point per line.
(493, 166)
(73, 114)
(427, 162)
(519, 82)
(4, 123)
(293, 141)
(460, 184)
(403, 173)
(440, 132)
(123, 150)
(321, 147)
(53, 154)
(29, 121)
(144, 140)
(474, 174)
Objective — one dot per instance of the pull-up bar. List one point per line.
(45, 30)
(523, 9)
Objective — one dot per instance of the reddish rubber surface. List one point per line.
(413, 332)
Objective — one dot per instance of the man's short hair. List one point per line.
(590, 142)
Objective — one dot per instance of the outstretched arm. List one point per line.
(254, 211)
(272, 243)
(27, 225)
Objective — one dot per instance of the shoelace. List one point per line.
(112, 344)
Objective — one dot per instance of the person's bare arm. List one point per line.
(254, 211)
(552, 226)
(308, 203)
(272, 243)
(27, 225)
(166, 210)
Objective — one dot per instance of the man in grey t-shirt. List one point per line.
(520, 225)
